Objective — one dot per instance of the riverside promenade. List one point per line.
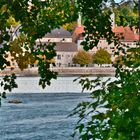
(64, 71)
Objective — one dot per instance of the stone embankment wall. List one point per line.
(95, 71)
(103, 71)
(18, 72)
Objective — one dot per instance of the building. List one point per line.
(127, 36)
(65, 47)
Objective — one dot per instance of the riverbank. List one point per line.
(67, 71)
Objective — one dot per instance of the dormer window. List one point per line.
(63, 40)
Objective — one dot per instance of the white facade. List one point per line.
(109, 47)
(65, 48)
(46, 39)
(64, 59)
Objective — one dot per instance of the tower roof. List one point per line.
(59, 33)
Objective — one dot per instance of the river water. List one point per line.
(42, 115)
(61, 85)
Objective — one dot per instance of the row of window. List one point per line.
(129, 43)
(60, 64)
(60, 56)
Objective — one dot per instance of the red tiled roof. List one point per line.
(118, 29)
(78, 33)
(79, 30)
(137, 37)
(125, 33)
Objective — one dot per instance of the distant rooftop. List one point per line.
(77, 34)
(59, 33)
(126, 32)
(66, 47)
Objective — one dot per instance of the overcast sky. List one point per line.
(117, 1)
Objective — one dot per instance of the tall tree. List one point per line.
(102, 57)
(35, 18)
(82, 58)
(120, 99)
(126, 14)
(113, 109)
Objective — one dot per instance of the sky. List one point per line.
(117, 1)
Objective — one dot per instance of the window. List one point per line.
(128, 43)
(63, 39)
(59, 56)
(111, 47)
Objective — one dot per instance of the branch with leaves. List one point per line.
(112, 112)
(22, 22)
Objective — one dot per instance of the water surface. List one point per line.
(61, 85)
(41, 116)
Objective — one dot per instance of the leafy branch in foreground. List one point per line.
(7, 84)
(113, 111)
(22, 23)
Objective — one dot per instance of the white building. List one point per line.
(65, 47)
(130, 38)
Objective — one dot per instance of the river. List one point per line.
(43, 114)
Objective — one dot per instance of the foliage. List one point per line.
(113, 110)
(70, 26)
(82, 58)
(22, 22)
(11, 21)
(126, 14)
(114, 106)
(119, 60)
(97, 23)
(102, 57)
(7, 84)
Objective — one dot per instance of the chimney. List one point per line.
(79, 20)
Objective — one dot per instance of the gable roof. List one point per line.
(59, 33)
(126, 32)
(77, 34)
(66, 47)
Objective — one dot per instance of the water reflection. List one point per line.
(61, 85)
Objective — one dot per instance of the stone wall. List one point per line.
(95, 71)
(103, 71)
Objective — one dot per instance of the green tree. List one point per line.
(82, 58)
(102, 57)
(22, 22)
(112, 113)
(126, 14)
(120, 99)
(70, 26)
(119, 60)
